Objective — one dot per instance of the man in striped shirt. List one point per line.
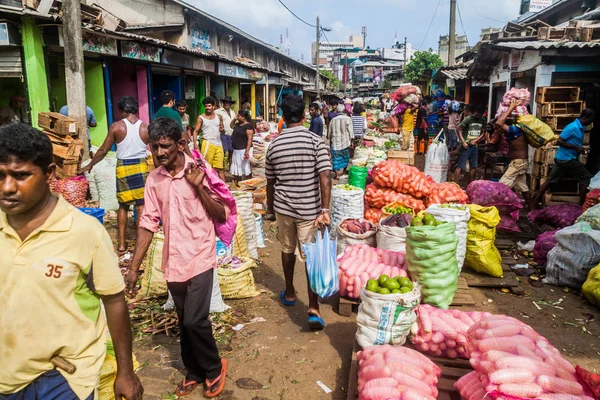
(298, 172)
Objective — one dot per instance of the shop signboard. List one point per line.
(233, 71)
(173, 58)
(201, 64)
(200, 38)
(99, 44)
(539, 5)
(255, 75)
(140, 51)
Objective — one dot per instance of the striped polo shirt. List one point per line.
(294, 160)
(359, 125)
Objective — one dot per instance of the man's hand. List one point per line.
(323, 220)
(131, 282)
(195, 145)
(473, 142)
(579, 149)
(513, 104)
(465, 145)
(270, 217)
(246, 156)
(194, 175)
(85, 169)
(128, 386)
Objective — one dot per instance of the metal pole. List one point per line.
(317, 84)
(405, 41)
(74, 69)
(452, 36)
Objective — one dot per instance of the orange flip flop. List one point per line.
(185, 388)
(220, 379)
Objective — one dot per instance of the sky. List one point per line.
(268, 19)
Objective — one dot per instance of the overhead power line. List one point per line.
(431, 23)
(483, 16)
(297, 17)
(461, 22)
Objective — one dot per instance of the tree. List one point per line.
(334, 82)
(386, 84)
(420, 63)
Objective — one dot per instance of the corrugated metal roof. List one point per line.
(456, 74)
(538, 45)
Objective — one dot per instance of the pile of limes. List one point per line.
(387, 285)
(425, 219)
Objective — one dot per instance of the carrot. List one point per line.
(559, 385)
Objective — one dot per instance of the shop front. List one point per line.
(197, 86)
(12, 81)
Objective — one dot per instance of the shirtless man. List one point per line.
(515, 176)
(212, 127)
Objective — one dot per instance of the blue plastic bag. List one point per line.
(321, 264)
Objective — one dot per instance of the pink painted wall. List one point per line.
(128, 79)
(142, 93)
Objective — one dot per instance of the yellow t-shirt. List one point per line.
(408, 121)
(50, 285)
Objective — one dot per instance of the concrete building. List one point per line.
(397, 53)
(326, 50)
(462, 45)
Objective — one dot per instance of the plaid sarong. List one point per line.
(131, 179)
(340, 158)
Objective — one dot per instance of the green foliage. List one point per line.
(420, 63)
(386, 84)
(334, 82)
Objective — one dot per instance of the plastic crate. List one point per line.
(97, 213)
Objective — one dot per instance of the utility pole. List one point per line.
(318, 61)
(405, 43)
(74, 69)
(364, 35)
(452, 36)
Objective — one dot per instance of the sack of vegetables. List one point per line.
(482, 254)
(460, 215)
(386, 311)
(431, 257)
(355, 231)
(391, 233)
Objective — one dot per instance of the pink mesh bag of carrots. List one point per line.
(396, 373)
(514, 362)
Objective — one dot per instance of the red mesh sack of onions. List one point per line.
(396, 373)
(514, 362)
(444, 332)
(74, 190)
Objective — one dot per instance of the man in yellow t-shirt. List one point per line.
(57, 266)
(408, 126)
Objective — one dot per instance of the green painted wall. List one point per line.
(35, 68)
(233, 90)
(95, 98)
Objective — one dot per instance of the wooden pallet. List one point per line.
(66, 167)
(570, 33)
(590, 34)
(65, 146)
(509, 281)
(565, 108)
(559, 122)
(561, 198)
(452, 370)
(547, 94)
(347, 306)
(58, 124)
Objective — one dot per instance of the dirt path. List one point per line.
(281, 359)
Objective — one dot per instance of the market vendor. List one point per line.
(57, 268)
(515, 176)
(566, 161)
(298, 173)
(470, 132)
(179, 196)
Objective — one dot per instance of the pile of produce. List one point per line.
(402, 178)
(74, 190)
(443, 333)
(396, 208)
(356, 226)
(391, 234)
(489, 193)
(357, 176)
(431, 256)
(513, 361)
(387, 311)
(262, 127)
(379, 198)
(359, 263)
(591, 216)
(388, 372)
(445, 193)
(591, 199)
(481, 253)
(470, 387)
(376, 157)
(543, 244)
(355, 231)
(460, 215)
(558, 215)
(346, 202)
(521, 95)
(398, 220)
(373, 215)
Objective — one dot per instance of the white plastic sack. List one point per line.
(321, 265)
(103, 182)
(345, 239)
(436, 163)
(391, 238)
(346, 204)
(260, 235)
(362, 152)
(595, 182)
(577, 251)
(461, 219)
(245, 207)
(216, 300)
(386, 318)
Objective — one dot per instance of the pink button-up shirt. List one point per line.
(190, 243)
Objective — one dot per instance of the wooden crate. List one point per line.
(563, 108)
(403, 156)
(549, 154)
(547, 94)
(58, 124)
(559, 122)
(560, 198)
(589, 34)
(538, 155)
(66, 167)
(65, 146)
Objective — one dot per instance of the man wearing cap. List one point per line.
(228, 117)
(12, 113)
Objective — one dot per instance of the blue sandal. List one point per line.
(285, 302)
(316, 323)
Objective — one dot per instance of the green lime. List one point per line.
(429, 220)
(372, 285)
(382, 279)
(418, 221)
(392, 284)
(384, 291)
(405, 289)
(396, 291)
(405, 282)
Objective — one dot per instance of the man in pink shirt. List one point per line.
(178, 195)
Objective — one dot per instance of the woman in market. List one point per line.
(242, 147)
